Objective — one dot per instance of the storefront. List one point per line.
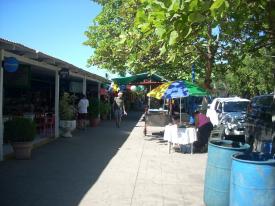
(34, 88)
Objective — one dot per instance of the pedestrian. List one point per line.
(204, 128)
(83, 111)
(119, 108)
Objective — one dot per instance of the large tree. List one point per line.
(122, 45)
(169, 36)
(250, 24)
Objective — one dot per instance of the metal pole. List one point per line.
(149, 100)
(56, 105)
(180, 110)
(1, 104)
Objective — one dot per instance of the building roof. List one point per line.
(138, 78)
(24, 51)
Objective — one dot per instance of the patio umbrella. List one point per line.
(176, 89)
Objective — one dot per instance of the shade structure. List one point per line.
(176, 89)
(139, 78)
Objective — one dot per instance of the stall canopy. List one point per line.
(143, 78)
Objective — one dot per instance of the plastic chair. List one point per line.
(49, 124)
(40, 121)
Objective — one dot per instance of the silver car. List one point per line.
(230, 114)
(233, 117)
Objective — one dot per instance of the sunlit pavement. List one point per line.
(105, 166)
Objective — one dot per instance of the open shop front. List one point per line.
(34, 88)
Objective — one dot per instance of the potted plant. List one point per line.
(94, 111)
(20, 132)
(105, 108)
(67, 115)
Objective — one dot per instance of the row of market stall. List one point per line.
(31, 83)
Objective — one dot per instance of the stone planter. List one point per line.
(22, 150)
(67, 127)
(94, 122)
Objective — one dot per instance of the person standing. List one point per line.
(119, 108)
(83, 111)
(204, 126)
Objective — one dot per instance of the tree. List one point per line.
(251, 27)
(251, 78)
(169, 36)
(120, 46)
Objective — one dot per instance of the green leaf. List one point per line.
(144, 27)
(171, 57)
(217, 4)
(193, 5)
(189, 32)
(196, 17)
(173, 37)
(161, 4)
(174, 6)
(162, 50)
(160, 16)
(160, 31)
(140, 17)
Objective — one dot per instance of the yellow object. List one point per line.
(115, 87)
(159, 91)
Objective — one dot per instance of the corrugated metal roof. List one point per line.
(21, 50)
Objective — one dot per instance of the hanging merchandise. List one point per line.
(133, 88)
(140, 88)
(128, 87)
(103, 91)
(115, 87)
(122, 88)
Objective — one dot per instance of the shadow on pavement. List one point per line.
(61, 172)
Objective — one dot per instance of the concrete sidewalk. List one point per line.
(104, 166)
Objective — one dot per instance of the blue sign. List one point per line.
(10, 64)
(64, 73)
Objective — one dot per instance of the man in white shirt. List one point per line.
(82, 111)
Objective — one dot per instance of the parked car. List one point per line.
(259, 126)
(229, 113)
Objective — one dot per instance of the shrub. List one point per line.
(19, 130)
(93, 109)
(66, 109)
(105, 108)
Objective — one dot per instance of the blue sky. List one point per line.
(55, 27)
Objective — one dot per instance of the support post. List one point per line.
(1, 104)
(98, 96)
(84, 89)
(149, 99)
(56, 105)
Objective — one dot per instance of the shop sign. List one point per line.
(10, 64)
(64, 73)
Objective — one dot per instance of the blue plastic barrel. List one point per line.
(266, 146)
(218, 169)
(252, 180)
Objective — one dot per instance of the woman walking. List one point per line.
(119, 108)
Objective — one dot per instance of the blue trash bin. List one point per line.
(218, 169)
(252, 180)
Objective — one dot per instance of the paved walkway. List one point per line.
(104, 166)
